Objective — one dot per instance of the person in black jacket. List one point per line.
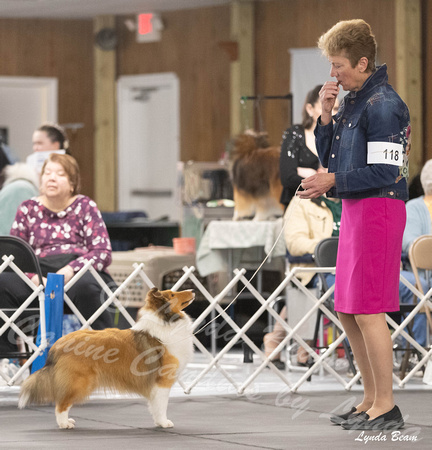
(298, 156)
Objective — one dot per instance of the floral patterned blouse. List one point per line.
(78, 230)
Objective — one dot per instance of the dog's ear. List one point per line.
(158, 294)
(153, 295)
(155, 292)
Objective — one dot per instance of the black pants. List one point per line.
(86, 294)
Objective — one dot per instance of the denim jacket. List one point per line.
(375, 113)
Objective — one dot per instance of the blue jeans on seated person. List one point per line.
(329, 277)
(419, 324)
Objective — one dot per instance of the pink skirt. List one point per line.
(369, 256)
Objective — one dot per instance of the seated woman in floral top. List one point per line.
(66, 230)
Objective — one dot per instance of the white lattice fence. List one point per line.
(215, 307)
(319, 360)
(11, 321)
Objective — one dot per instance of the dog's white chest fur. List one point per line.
(175, 336)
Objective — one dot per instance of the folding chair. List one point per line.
(325, 256)
(295, 300)
(19, 257)
(420, 258)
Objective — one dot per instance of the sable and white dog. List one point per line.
(145, 359)
(256, 182)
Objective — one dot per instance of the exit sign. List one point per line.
(149, 27)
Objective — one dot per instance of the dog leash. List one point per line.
(285, 221)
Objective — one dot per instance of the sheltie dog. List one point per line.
(145, 359)
(256, 181)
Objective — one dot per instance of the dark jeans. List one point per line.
(86, 294)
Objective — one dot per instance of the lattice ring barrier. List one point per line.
(214, 306)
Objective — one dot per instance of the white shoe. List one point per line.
(4, 369)
(10, 369)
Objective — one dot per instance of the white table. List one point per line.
(226, 243)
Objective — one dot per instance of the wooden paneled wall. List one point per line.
(285, 24)
(409, 73)
(190, 47)
(105, 123)
(427, 71)
(62, 49)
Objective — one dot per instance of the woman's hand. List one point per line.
(68, 273)
(35, 280)
(317, 185)
(328, 94)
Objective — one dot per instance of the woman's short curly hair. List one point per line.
(351, 38)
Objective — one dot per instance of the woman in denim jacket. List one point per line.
(366, 152)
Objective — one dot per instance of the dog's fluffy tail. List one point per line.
(37, 388)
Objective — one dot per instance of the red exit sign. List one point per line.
(149, 27)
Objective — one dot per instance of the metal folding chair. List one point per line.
(19, 257)
(420, 258)
(325, 256)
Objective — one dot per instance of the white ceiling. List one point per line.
(81, 9)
